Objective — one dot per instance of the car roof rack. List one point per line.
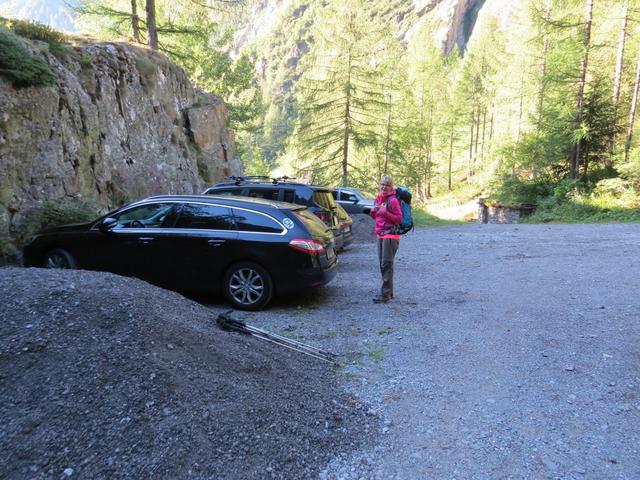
(258, 179)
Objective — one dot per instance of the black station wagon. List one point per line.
(248, 249)
(319, 200)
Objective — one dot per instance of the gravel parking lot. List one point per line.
(510, 351)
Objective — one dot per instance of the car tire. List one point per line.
(59, 258)
(248, 286)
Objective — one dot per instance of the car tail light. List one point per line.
(306, 245)
(322, 215)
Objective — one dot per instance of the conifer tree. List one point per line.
(340, 95)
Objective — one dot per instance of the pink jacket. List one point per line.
(391, 216)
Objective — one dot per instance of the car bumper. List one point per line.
(308, 278)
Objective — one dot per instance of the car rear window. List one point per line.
(250, 221)
(268, 193)
(201, 216)
(324, 199)
(289, 196)
(224, 191)
(315, 226)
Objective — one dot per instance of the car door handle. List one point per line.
(215, 242)
(145, 239)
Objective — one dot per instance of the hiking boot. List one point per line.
(382, 298)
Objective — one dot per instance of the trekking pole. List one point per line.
(230, 324)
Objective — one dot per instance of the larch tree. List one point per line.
(340, 96)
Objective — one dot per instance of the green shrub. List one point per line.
(566, 189)
(53, 213)
(20, 66)
(146, 68)
(34, 31)
(512, 190)
(615, 187)
(7, 248)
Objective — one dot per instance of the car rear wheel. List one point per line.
(248, 286)
(59, 258)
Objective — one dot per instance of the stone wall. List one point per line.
(122, 123)
(496, 213)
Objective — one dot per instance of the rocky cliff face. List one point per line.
(122, 123)
(451, 21)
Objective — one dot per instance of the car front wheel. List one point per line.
(248, 286)
(59, 258)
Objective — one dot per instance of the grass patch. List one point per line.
(386, 331)
(421, 218)
(598, 207)
(375, 352)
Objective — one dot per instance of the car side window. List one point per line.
(250, 221)
(201, 216)
(348, 197)
(151, 215)
(268, 193)
(289, 196)
(224, 191)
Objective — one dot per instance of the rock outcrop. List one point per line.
(122, 123)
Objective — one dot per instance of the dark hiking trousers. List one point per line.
(387, 249)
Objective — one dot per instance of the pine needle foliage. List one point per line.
(340, 96)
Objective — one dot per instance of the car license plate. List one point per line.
(330, 253)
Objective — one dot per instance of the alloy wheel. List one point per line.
(246, 286)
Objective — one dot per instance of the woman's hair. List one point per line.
(388, 179)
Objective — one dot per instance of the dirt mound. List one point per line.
(103, 376)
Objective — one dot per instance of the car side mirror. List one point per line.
(354, 201)
(107, 224)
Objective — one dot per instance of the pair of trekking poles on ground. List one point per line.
(225, 322)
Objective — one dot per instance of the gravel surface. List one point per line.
(103, 376)
(510, 351)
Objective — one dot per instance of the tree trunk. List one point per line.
(475, 148)
(632, 113)
(151, 24)
(135, 21)
(575, 154)
(450, 157)
(543, 71)
(429, 150)
(484, 127)
(608, 162)
(387, 139)
(347, 127)
(470, 166)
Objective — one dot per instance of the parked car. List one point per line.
(353, 200)
(248, 249)
(319, 200)
(346, 225)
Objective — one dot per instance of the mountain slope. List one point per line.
(55, 13)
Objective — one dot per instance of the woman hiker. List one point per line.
(387, 213)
